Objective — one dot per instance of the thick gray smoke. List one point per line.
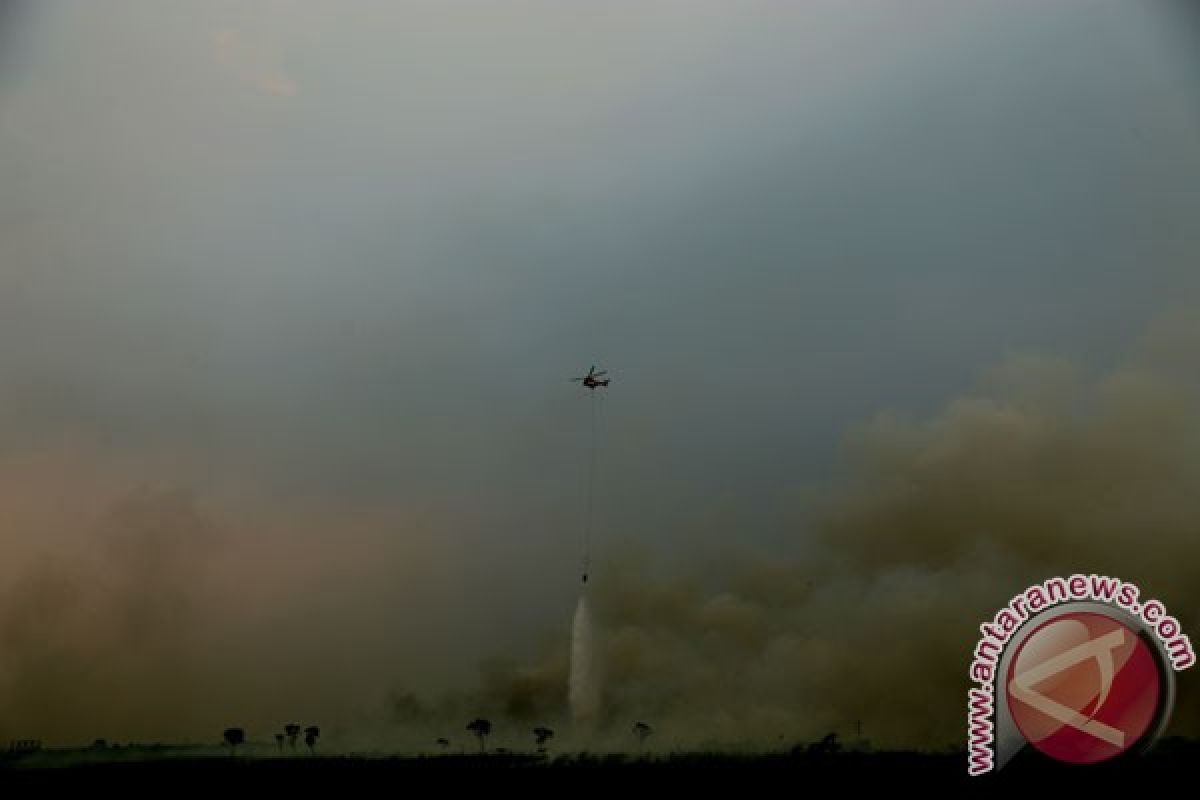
(111, 636)
(148, 613)
(131, 610)
(1041, 469)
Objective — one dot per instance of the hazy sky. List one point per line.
(289, 256)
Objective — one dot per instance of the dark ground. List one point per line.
(943, 774)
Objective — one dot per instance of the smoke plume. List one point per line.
(150, 613)
(929, 527)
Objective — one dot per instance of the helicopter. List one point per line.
(592, 379)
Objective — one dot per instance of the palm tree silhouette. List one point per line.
(292, 730)
(234, 737)
(481, 728)
(542, 735)
(311, 734)
(641, 730)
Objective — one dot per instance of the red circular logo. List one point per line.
(1083, 687)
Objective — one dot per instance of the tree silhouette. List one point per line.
(279, 742)
(542, 735)
(292, 730)
(641, 730)
(234, 737)
(481, 728)
(443, 742)
(311, 734)
(829, 744)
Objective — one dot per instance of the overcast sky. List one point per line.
(352, 253)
